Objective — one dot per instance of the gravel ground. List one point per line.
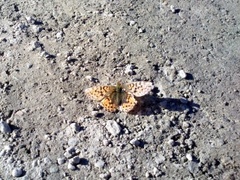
(186, 128)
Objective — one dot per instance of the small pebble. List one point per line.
(156, 172)
(189, 157)
(171, 142)
(35, 45)
(4, 127)
(71, 166)
(113, 127)
(131, 23)
(75, 127)
(190, 143)
(59, 35)
(130, 69)
(148, 174)
(30, 19)
(182, 74)
(160, 159)
(99, 164)
(140, 30)
(172, 8)
(96, 113)
(105, 142)
(89, 78)
(53, 169)
(135, 142)
(75, 160)
(2, 152)
(36, 29)
(69, 152)
(73, 141)
(47, 161)
(10, 160)
(35, 163)
(17, 172)
(193, 167)
(185, 125)
(105, 176)
(61, 160)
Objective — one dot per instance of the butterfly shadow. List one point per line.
(153, 104)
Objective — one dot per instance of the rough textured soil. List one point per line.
(186, 128)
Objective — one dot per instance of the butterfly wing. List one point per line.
(97, 93)
(139, 88)
(108, 104)
(128, 104)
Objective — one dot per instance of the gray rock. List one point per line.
(130, 69)
(105, 176)
(70, 152)
(182, 74)
(131, 23)
(71, 166)
(189, 157)
(17, 172)
(75, 127)
(173, 9)
(53, 169)
(193, 167)
(171, 142)
(73, 141)
(99, 164)
(61, 160)
(75, 160)
(4, 127)
(135, 142)
(113, 127)
(47, 161)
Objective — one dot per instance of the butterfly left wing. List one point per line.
(139, 88)
(98, 93)
(128, 104)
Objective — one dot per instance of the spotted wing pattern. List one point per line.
(126, 93)
(128, 104)
(98, 93)
(139, 88)
(108, 105)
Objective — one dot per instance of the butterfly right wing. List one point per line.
(139, 88)
(129, 103)
(98, 93)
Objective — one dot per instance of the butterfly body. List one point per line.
(120, 96)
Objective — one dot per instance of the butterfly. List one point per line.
(120, 97)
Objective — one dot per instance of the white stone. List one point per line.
(113, 127)
(73, 141)
(182, 74)
(172, 8)
(4, 127)
(17, 172)
(189, 157)
(131, 23)
(71, 166)
(129, 69)
(61, 160)
(135, 142)
(99, 164)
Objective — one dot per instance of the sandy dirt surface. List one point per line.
(187, 127)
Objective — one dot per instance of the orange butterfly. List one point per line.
(121, 96)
